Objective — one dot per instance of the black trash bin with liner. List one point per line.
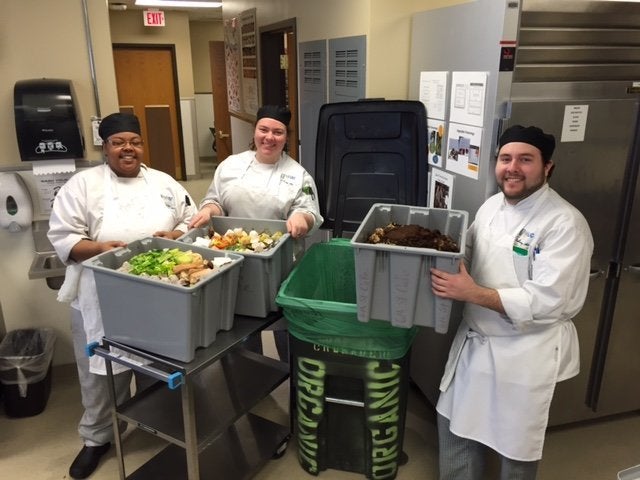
(25, 370)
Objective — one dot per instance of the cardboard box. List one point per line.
(393, 283)
(165, 319)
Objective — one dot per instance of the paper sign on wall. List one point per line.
(463, 149)
(468, 92)
(574, 123)
(433, 93)
(441, 189)
(435, 139)
(48, 187)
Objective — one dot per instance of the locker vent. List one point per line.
(347, 68)
(312, 68)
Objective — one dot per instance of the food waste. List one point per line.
(173, 266)
(239, 240)
(413, 236)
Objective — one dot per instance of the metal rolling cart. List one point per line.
(216, 436)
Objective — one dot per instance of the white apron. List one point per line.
(262, 191)
(490, 392)
(130, 213)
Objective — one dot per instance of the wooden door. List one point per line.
(146, 79)
(220, 103)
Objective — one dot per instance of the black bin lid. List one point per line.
(369, 152)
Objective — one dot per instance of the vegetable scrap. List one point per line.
(173, 266)
(238, 240)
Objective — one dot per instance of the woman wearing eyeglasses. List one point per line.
(99, 209)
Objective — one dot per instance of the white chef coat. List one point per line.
(502, 369)
(96, 204)
(243, 187)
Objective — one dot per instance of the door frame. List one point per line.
(270, 36)
(171, 48)
(221, 116)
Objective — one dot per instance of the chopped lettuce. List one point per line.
(160, 261)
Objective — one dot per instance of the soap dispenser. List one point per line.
(16, 209)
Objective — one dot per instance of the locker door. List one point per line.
(312, 81)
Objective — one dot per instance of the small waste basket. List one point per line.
(25, 370)
(350, 378)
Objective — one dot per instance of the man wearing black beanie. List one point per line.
(524, 277)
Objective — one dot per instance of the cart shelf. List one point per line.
(202, 408)
(242, 449)
(221, 394)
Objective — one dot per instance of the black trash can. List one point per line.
(25, 370)
(350, 378)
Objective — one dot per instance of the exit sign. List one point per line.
(153, 18)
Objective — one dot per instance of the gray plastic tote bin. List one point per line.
(393, 283)
(169, 320)
(261, 273)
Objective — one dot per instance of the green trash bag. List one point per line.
(318, 299)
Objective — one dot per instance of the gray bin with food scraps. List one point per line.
(159, 317)
(393, 283)
(261, 273)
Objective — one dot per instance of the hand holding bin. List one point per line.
(261, 273)
(394, 282)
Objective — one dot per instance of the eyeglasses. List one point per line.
(120, 143)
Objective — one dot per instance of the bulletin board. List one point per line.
(241, 61)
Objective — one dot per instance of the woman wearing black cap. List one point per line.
(99, 209)
(264, 182)
(529, 254)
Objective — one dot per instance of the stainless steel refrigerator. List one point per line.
(543, 59)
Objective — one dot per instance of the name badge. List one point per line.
(522, 242)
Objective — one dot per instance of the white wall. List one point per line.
(204, 119)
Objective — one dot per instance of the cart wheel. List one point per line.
(281, 450)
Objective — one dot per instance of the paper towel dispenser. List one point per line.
(47, 124)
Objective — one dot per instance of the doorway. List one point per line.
(222, 128)
(279, 73)
(146, 79)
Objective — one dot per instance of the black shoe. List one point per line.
(87, 460)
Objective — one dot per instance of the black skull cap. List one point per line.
(544, 142)
(276, 112)
(117, 123)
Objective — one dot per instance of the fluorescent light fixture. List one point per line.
(178, 3)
